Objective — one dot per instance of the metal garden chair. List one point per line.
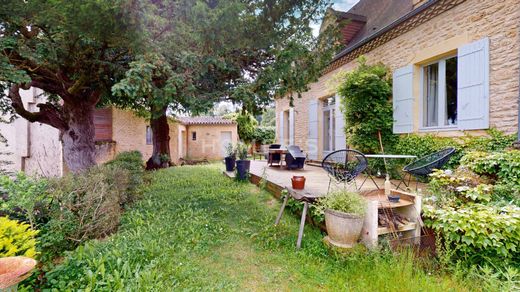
(422, 167)
(343, 166)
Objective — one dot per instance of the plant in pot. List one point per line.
(231, 157)
(344, 216)
(242, 163)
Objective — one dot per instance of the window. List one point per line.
(440, 94)
(329, 124)
(148, 135)
(194, 136)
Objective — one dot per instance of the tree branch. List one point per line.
(49, 114)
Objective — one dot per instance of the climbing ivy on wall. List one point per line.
(367, 107)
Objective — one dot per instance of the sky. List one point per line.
(341, 5)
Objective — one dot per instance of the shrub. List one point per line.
(246, 125)
(479, 233)
(25, 198)
(343, 201)
(85, 206)
(264, 135)
(132, 161)
(16, 239)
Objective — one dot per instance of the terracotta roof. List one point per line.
(205, 120)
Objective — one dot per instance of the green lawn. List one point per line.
(198, 230)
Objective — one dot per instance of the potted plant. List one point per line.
(344, 215)
(242, 163)
(230, 157)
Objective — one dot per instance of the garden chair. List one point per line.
(295, 158)
(274, 157)
(422, 167)
(343, 166)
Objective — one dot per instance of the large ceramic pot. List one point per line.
(230, 163)
(243, 168)
(343, 229)
(13, 270)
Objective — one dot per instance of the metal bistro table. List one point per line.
(384, 156)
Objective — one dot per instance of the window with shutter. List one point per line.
(402, 96)
(340, 138)
(473, 85)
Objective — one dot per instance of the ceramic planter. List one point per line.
(343, 229)
(230, 163)
(298, 182)
(13, 270)
(243, 168)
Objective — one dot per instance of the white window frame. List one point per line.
(441, 98)
(331, 108)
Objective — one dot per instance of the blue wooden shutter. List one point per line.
(473, 85)
(339, 139)
(280, 129)
(312, 140)
(403, 99)
(291, 126)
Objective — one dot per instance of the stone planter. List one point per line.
(344, 230)
(243, 168)
(13, 270)
(230, 163)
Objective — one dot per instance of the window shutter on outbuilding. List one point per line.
(280, 129)
(291, 126)
(340, 140)
(403, 100)
(473, 85)
(312, 139)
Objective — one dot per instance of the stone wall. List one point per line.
(470, 21)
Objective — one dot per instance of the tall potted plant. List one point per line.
(344, 215)
(242, 163)
(230, 157)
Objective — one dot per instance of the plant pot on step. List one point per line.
(243, 168)
(343, 229)
(230, 163)
(298, 182)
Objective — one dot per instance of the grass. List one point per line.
(198, 230)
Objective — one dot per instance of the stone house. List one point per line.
(455, 67)
(36, 148)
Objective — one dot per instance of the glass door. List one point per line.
(329, 124)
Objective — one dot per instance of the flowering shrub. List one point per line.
(16, 239)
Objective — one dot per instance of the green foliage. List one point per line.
(131, 161)
(242, 149)
(366, 93)
(474, 209)
(230, 150)
(197, 230)
(264, 135)
(85, 206)
(480, 233)
(16, 239)
(268, 117)
(344, 201)
(25, 194)
(246, 125)
(422, 145)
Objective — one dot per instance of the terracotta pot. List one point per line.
(298, 182)
(13, 270)
(343, 229)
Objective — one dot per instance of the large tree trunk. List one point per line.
(161, 140)
(79, 148)
(75, 121)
